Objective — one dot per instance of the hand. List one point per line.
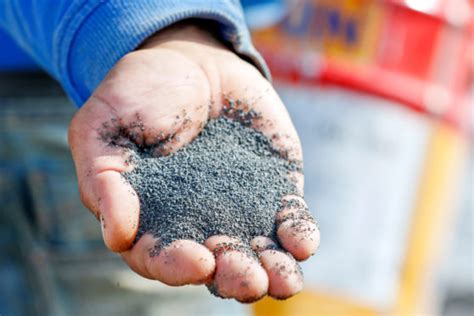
(183, 68)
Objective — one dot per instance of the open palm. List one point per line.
(180, 71)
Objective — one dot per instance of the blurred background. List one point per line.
(382, 94)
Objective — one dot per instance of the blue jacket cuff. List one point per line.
(104, 31)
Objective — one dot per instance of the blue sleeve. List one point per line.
(78, 41)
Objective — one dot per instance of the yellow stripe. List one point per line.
(431, 217)
(309, 303)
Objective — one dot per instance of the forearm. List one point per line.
(78, 42)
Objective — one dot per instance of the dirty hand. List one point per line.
(183, 68)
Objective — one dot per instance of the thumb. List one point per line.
(117, 206)
(101, 185)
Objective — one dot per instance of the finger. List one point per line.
(238, 275)
(297, 231)
(119, 210)
(284, 274)
(179, 263)
(137, 258)
(102, 188)
(221, 243)
(261, 243)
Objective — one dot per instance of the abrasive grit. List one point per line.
(228, 181)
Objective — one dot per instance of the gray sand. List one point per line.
(228, 181)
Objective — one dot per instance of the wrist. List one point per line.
(189, 32)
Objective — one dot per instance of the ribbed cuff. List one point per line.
(104, 31)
